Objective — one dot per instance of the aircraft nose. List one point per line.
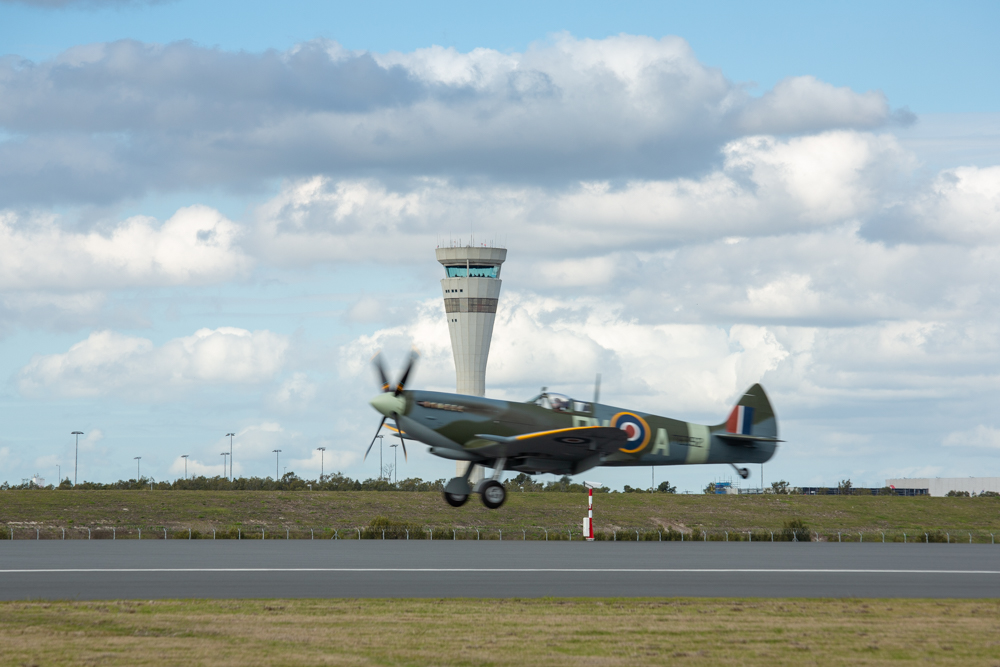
(388, 403)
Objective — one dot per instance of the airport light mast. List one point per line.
(230, 455)
(76, 454)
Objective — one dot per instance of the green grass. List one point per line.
(301, 510)
(627, 632)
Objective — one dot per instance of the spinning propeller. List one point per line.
(389, 402)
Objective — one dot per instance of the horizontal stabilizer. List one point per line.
(746, 440)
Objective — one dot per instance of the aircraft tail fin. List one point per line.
(752, 415)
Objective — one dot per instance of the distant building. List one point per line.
(861, 491)
(940, 486)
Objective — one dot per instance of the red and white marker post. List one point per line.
(588, 522)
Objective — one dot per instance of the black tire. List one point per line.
(493, 494)
(455, 499)
(744, 472)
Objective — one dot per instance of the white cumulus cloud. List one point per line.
(197, 245)
(563, 110)
(563, 345)
(109, 362)
(764, 187)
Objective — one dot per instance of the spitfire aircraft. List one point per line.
(552, 433)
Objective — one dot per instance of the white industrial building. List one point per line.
(471, 289)
(940, 486)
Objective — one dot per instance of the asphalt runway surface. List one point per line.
(132, 569)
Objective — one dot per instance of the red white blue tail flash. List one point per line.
(740, 420)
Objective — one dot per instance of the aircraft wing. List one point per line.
(566, 443)
(397, 431)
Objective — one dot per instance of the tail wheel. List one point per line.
(493, 494)
(455, 499)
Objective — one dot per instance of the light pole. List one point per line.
(380, 468)
(321, 451)
(185, 457)
(230, 455)
(76, 456)
(137, 475)
(394, 459)
(277, 455)
(59, 473)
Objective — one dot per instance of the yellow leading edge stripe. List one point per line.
(558, 430)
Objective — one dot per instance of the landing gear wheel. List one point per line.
(493, 494)
(455, 499)
(744, 472)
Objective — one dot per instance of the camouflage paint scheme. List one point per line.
(547, 435)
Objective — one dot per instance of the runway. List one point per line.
(132, 569)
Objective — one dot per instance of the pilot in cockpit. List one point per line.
(556, 402)
(559, 403)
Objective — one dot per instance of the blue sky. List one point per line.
(211, 225)
(932, 57)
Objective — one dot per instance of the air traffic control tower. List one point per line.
(471, 289)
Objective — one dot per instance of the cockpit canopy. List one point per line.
(560, 403)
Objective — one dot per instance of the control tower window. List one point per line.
(472, 271)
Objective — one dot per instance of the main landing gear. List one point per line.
(491, 491)
(493, 494)
(743, 472)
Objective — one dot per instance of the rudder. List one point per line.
(752, 415)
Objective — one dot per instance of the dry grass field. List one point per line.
(501, 632)
(301, 510)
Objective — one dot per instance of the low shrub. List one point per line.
(392, 530)
(795, 530)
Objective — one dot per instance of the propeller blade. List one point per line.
(399, 432)
(377, 361)
(380, 424)
(409, 367)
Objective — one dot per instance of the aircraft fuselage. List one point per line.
(453, 426)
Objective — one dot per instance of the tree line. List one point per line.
(333, 482)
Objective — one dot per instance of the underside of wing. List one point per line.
(569, 444)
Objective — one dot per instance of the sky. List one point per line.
(212, 214)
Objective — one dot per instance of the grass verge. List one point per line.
(501, 632)
(298, 511)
